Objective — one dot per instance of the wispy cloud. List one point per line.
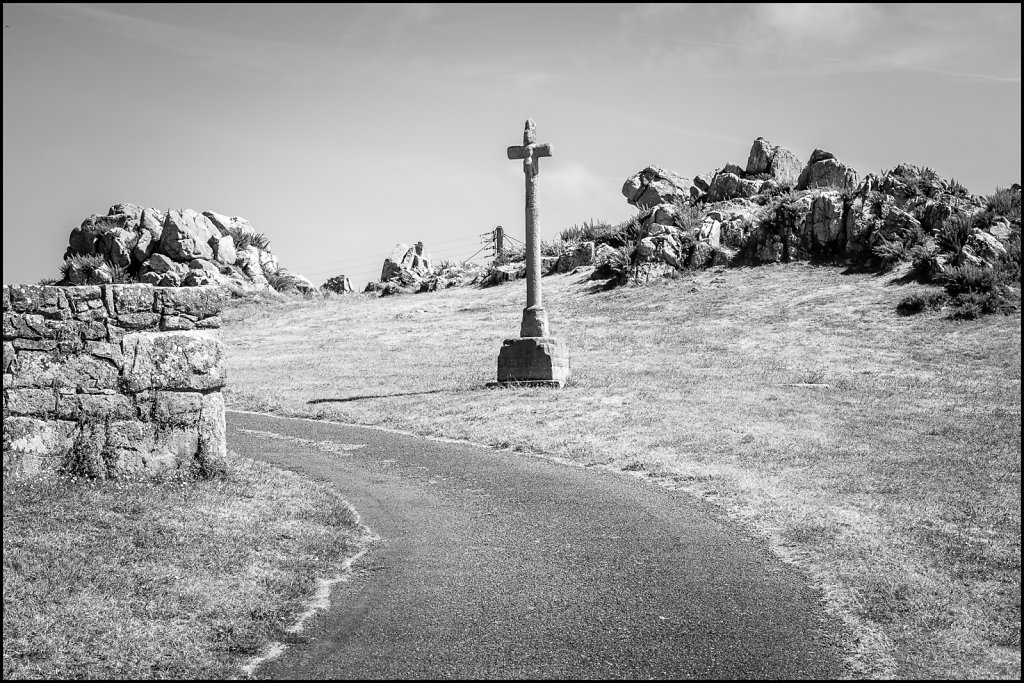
(814, 39)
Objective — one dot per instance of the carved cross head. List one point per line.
(530, 152)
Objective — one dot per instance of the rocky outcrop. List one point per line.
(406, 264)
(578, 256)
(339, 284)
(111, 381)
(775, 209)
(775, 161)
(654, 185)
(171, 248)
(823, 170)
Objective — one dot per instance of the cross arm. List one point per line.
(519, 151)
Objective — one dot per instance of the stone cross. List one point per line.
(534, 358)
(535, 319)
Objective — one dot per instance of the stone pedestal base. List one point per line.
(533, 361)
(535, 322)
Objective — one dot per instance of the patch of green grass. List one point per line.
(162, 578)
(897, 486)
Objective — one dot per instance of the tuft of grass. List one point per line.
(90, 266)
(243, 239)
(166, 577)
(260, 241)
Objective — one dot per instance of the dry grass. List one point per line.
(171, 578)
(879, 452)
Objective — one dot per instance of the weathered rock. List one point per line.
(408, 264)
(497, 275)
(986, 246)
(729, 185)
(760, 158)
(162, 271)
(88, 273)
(224, 249)
(825, 231)
(580, 255)
(701, 255)
(40, 369)
(268, 262)
(228, 224)
(83, 238)
(646, 247)
(703, 181)
(339, 284)
(190, 361)
(132, 298)
(776, 161)
(116, 246)
(1000, 229)
(735, 169)
(825, 171)
(34, 445)
(186, 235)
(654, 185)
(711, 231)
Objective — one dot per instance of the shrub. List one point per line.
(957, 189)
(1008, 266)
(974, 305)
(969, 279)
(90, 268)
(924, 260)
(48, 281)
(618, 267)
(688, 216)
(120, 275)
(888, 253)
(953, 235)
(555, 247)
(1004, 202)
(915, 303)
(511, 254)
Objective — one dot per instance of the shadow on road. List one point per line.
(361, 398)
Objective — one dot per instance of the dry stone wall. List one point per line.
(112, 380)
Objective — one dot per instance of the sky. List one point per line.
(341, 130)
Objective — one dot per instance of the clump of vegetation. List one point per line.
(555, 247)
(1005, 202)
(917, 181)
(926, 301)
(288, 283)
(87, 269)
(511, 254)
(243, 239)
(953, 235)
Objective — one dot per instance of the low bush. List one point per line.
(924, 301)
(953, 235)
(1004, 202)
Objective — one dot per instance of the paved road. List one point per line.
(498, 565)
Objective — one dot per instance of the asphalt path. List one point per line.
(494, 564)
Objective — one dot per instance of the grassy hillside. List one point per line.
(879, 452)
